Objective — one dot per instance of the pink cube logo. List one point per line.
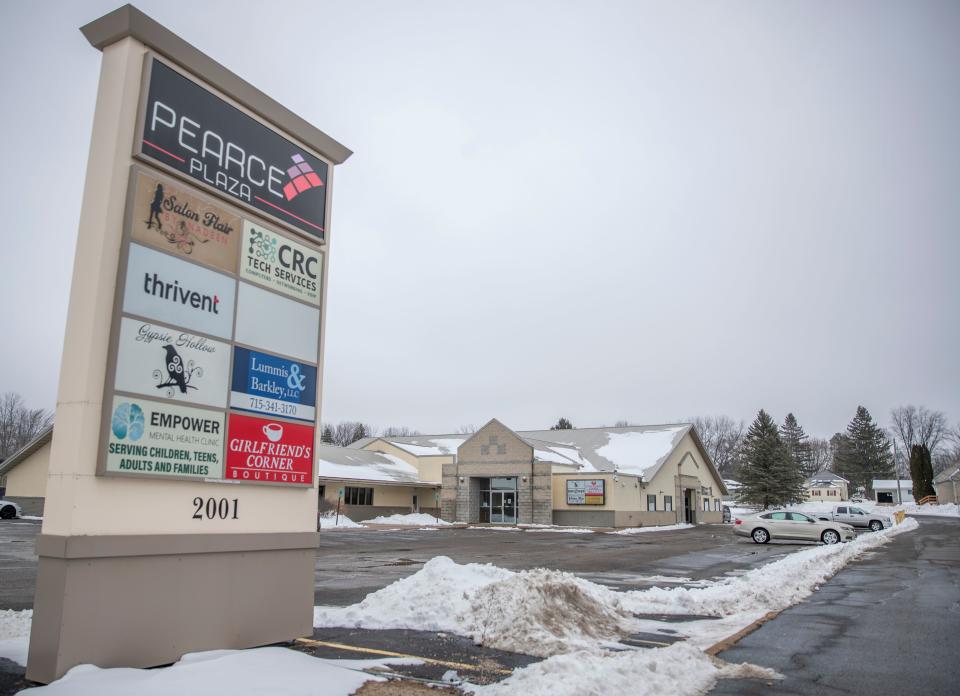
(302, 178)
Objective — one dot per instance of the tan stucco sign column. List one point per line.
(181, 503)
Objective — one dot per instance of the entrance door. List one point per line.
(687, 506)
(503, 508)
(416, 503)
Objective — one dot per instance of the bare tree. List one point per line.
(722, 437)
(398, 431)
(821, 454)
(19, 424)
(346, 433)
(621, 424)
(469, 429)
(912, 425)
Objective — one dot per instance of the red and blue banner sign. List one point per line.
(189, 129)
(275, 386)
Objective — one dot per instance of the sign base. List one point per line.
(146, 600)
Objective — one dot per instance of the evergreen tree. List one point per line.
(327, 436)
(795, 439)
(563, 424)
(768, 475)
(863, 454)
(359, 432)
(921, 471)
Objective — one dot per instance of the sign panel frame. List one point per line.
(111, 391)
(303, 228)
(586, 492)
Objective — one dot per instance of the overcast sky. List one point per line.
(603, 211)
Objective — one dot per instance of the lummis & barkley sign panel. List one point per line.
(189, 129)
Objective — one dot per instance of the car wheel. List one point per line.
(760, 535)
(8, 512)
(876, 525)
(830, 537)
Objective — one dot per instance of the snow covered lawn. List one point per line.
(414, 519)
(945, 510)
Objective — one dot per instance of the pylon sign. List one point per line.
(182, 460)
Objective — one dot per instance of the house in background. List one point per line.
(947, 485)
(25, 473)
(885, 491)
(826, 487)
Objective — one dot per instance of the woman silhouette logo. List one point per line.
(155, 208)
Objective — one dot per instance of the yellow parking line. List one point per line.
(650, 642)
(389, 653)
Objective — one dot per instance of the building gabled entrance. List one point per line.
(498, 500)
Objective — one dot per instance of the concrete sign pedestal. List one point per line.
(148, 559)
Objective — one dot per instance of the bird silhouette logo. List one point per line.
(176, 375)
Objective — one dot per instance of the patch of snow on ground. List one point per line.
(414, 519)
(498, 529)
(227, 672)
(328, 520)
(15, 634)
(681, 670)
(30, 517)
(641, 530)
(568, 530)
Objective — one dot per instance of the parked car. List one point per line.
(9, 510)
(858, 517)
(727, 517)
(780, 524)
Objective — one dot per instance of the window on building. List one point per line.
(668, 503)
(706, 504)
(651, 503)
(321, 492)
(358, 496)
(716, 504)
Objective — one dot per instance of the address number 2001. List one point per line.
(213, 508)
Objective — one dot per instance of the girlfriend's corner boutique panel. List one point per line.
(596, 477)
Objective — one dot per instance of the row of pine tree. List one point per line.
(776, 461)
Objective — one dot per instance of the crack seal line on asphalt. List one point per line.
(390, 653)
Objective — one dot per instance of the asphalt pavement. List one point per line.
(889, 623)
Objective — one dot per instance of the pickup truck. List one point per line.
(857, 517)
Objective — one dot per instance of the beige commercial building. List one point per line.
(23, 475)
(602, 477)
(826, 487)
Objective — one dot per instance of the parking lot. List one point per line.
(352, 563)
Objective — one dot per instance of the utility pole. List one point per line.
(896, 470)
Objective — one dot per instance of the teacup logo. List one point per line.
(273, 431)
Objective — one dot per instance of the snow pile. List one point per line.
(414, 519)
(771, 587)
(435, 598)
(235, 672)
(942, 510)
(328, 520)
(641, 530)
(568, 530)
(545, 612)
(681, 670)
(15, 634)
(498, 529)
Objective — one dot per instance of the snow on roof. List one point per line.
(826, 477)
(345, 463)
(640, 450)
(891, 483)
(948, 475)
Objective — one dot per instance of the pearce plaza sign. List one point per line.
(182, 463)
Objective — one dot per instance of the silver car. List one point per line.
(780, 524)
